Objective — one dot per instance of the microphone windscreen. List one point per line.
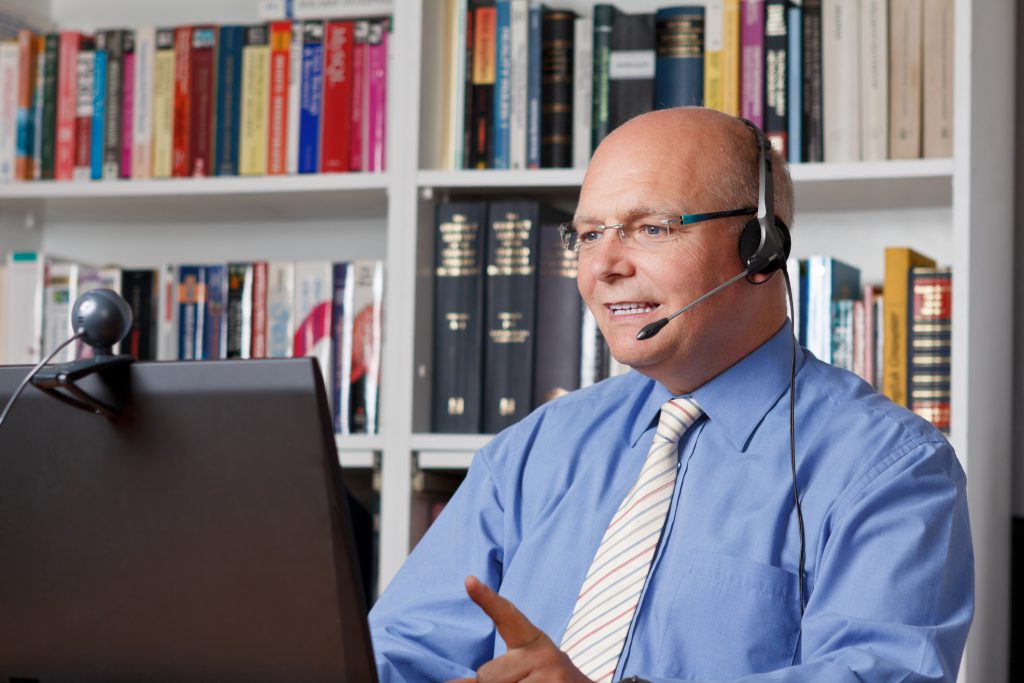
(651, 329)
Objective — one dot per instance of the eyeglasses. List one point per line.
(583, 236)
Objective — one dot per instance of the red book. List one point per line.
(357, 136)
(83, 108)
(203, 77)
(337, 103)
(67, 105)
(277, 124)
(259, 309)
(127, 104)
(181, 150)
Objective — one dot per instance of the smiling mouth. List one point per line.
(632, 308)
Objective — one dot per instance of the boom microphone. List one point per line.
(651, 329)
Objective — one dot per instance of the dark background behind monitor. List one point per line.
(203, 536)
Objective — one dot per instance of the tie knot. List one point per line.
(677, 416)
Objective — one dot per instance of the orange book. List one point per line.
(277, 138)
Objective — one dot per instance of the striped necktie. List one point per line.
(610, 594)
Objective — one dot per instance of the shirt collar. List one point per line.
(737, 399)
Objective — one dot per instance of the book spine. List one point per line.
(313, 289)
(453, 155)
(898, 262)
(931, 341)
(337, 97)
(632, 67)
(99, 107)
(484, 75)
(937, 67)
(39, 108)
(142, 119)
(311, 96)
(794, 85)
(360, 82)
(252, 145)
(163, 103)
(533, 89)
(604, 17)
(127, 104)
(731, 57)
(842, 334)
(714, 92)
(8, 110)
(458, 316)
(811, 95)
(377, 88)
(510, 313)
(556, 89)
(203, 79)
(229, 95)
(559, 315)
(83, 110)
(181, 148)
(840, 49)
(341, 337)
(583, 90)
(23, 306)
(113, 110)
(58, 293)
(874, 79)
(140, 289)
(259, 309)
(468, 89)
(502, 83)
(367, 317)
(191, 304)
(776, 75)
(905, 71)
(215, 315)
(752, 67)
(67, 102)
(239, 310)
(167, 314)
(519, 30)
(295, 69)
(679, 65)
(280, 309)
(277, 125)
(27, 78)
(594, 352)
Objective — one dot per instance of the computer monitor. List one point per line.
(201, 536)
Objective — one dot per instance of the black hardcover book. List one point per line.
(604, 18)
(485, 17)
(556, 369)
(776, 74)
(631, 67)
(115, 41)
(239, 313)
(459, 240)
(48, 141)
(556, 88)
(510, 310)
(141, 290)
(812, 130)
(468, 159)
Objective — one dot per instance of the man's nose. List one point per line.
(610, 257)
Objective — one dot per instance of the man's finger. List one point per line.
(515, 629)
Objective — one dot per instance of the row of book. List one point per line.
(269, 99)
(331, 311)
(525, 86)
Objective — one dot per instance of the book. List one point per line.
(905, 71)
(191, 305)
(843, 342)
(38, 108)
(113, 106)
(142, 117)
(28, 58)
(794, 84)
(167, 315)
(559, 323)
(714, 35)
(840, 68)
(310, 97)
(343, 301)
(358, 153)
(451, 46)
(480, 149)
(594, 355)
(64, 282)
(260, 271)
(459, 248)
(215, 313)
(49, 106)
(828, 280)
(280, 309)
(874, 79)
(367, 337)
(252, 127)
(23, 306)
(277, 124)
(9, 56)
(337, 97)
(519, 75)
(533, 76)
(556, 89)
(313, 292)
(239, 311)
(67, 104)
(679, 66)
(203, 79)
(163, 103)
(181, 148)
(84, 98)
(752, 61)
(377, 87)
(502, 82)
(931, 344)
(898, 262)
(631, 66)
(583, 90)
(229, 99)
(295, 68)
(937, 79)
(776, 75)
(124, 169)
(140, 288)
(509, 310)
(812, 111)
(99, 107)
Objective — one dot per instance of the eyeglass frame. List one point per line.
(568, 230)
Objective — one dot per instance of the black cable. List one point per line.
(30, 375)
(792, 441)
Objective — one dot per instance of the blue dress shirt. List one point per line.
(890, 571)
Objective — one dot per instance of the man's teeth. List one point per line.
(629, 309)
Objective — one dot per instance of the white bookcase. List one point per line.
(957, 210)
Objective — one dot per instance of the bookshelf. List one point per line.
(958, 210)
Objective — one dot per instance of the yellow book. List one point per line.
(730, 59)
(896, 322)
(253, 128)
(714, 97)
(163, 103)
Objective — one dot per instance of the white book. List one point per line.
(314, 290)
(142, 111)
(905, 79)
(583, 89)
(64, 283)
(167, 315)
(589, 341)
(519, 21)
(294, 100)
(840, 59)
(8, 109)
(874, 79)
(280, 308)
(367, 342)
(23, 304)
(937, 76)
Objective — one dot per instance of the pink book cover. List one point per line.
(67, 105)
(127, 113)
(752, 61)
(377, 94)
(357, 145)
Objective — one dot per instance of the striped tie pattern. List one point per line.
(610, 594)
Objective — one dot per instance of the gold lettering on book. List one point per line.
(457, 322)
(512, 252)
(506, 407)
(459, 256)
(456, 405)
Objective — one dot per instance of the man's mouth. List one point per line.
(632, 308)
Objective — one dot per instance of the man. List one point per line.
(708, 585)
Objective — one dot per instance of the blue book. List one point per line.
(533, 88)
(341, 347)
(502, 82)
(215, 316)
(795, 85)
(828, 280)
(311, 96)
(99, 107)
(679, 67)
(229, 97)
(191, 311)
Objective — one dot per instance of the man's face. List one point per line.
(627, 287)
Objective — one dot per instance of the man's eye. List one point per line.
(650, 230)
(590, 236)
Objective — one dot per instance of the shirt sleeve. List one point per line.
(424, 627)
(894, 593)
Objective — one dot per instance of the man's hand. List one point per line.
(531, 655)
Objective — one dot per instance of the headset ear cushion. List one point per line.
(750, 239)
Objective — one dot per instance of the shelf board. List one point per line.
(447, 451)
(358, 450)
(553, 178)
